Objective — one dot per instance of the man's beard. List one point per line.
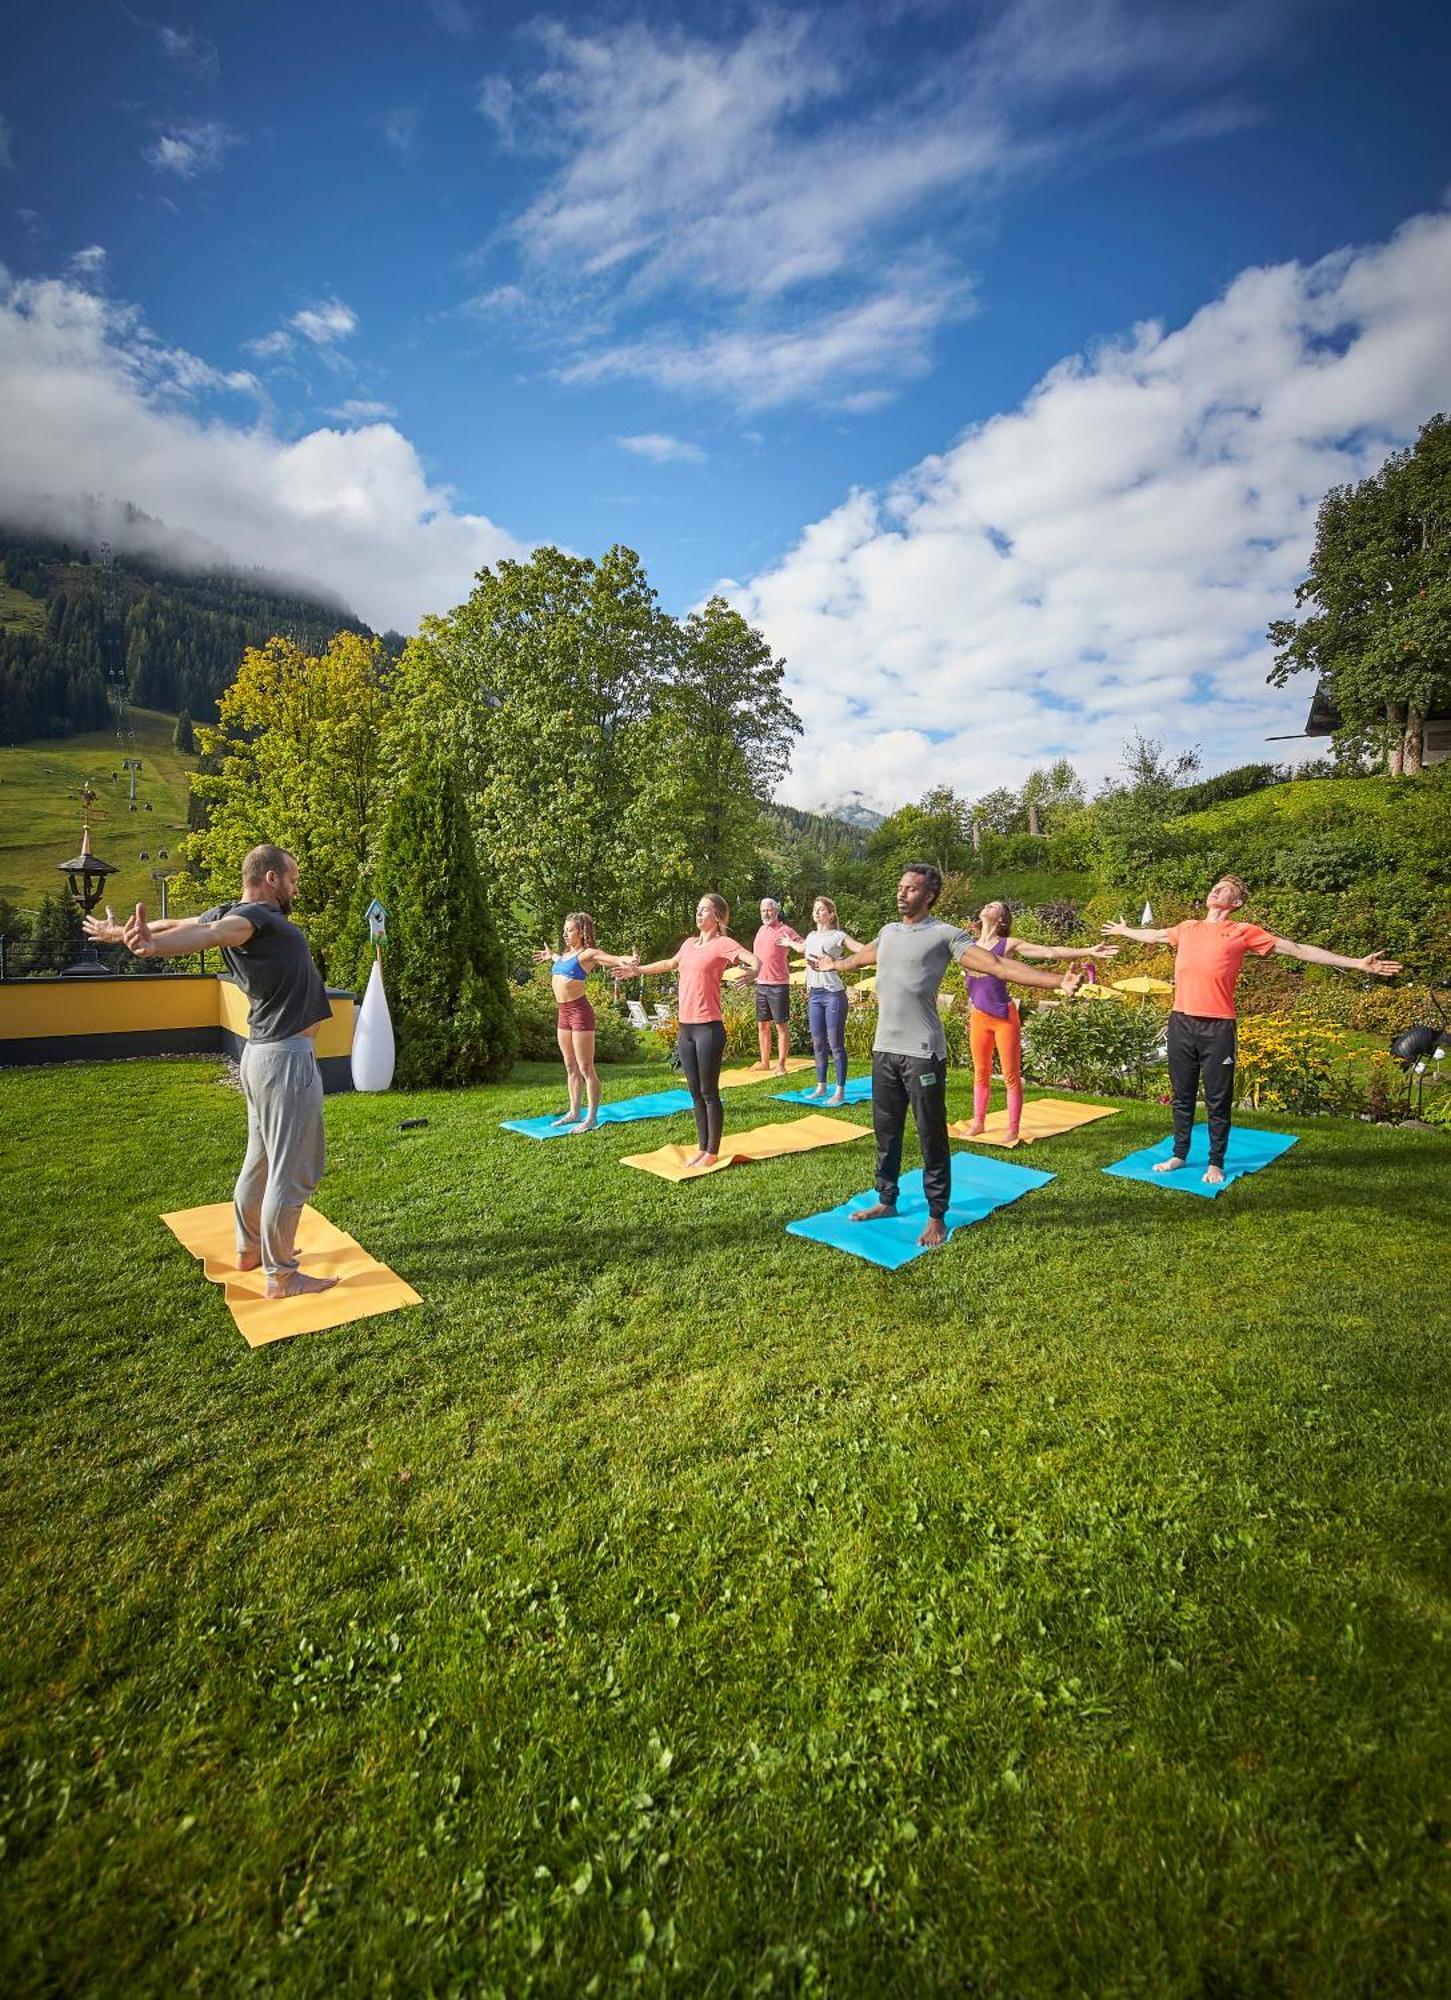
(284, 904)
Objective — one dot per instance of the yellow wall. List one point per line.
(124, 1006)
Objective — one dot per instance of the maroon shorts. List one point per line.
(576, 1014)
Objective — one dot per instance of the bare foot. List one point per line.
(880, 1213)
(293, 1285)
(1011, 1138)
(701, 1160)
(820, 1091)
(1168, 1166)
(249, 1260)
(589, 1125)
(934, 1234)
(760, 1065)
(976, 1129)
(1214, 1175)
(780, 1070)
(832, 1102)
(567, 1118)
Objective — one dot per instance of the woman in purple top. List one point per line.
(995, 1025)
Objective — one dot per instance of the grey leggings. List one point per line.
(285, 1149)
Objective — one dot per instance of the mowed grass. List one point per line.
(41, 809)
(670, 1605)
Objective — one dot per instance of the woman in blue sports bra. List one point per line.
(575, 1027)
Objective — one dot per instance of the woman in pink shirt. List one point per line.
(699, 966)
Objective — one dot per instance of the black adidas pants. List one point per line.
(1201, 1046)
(900, 1083)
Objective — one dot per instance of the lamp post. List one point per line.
(86, 875)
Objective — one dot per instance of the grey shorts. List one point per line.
(773, 1003)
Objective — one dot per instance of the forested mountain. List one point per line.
(70, 624)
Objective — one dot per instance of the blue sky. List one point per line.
(790, 298)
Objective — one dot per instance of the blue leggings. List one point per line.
(826, 1017)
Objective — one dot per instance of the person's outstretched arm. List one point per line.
(1137, 933)
(973, 958)
(865, 954)
(657, 965)
(1383, 968)
(111, 930)
(592, 955)
(175, 940)
(1021, 949)
(748, 959)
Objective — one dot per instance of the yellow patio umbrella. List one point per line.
(798, 978)
(1141, 983)
(735, 975)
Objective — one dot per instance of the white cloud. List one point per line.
(1107, 556)
(325, 322)
(502, 299)
(760, 369)
(762, 174)
(94, 398)
(88, 263)
(661, 449)
(268, 346)
(453, 17)
(195, 147)
(399, 126)
(361, 410)
(191, 51)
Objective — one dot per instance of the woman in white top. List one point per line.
(826, 997)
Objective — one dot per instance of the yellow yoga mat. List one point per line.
(1044, 1118)
(365, 1286)
(730, 1079)
(762, 1142)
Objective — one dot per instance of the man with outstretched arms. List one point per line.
(269, 958)
(909, 1052)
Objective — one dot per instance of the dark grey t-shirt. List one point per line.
(274, 969)
(911, 959)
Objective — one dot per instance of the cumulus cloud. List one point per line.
(1107, 556)
(661, 449)
(96, 399)
(192, 148)
(761, 174)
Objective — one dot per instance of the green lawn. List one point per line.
(669, 1605)
(40, 808)
(21, 612)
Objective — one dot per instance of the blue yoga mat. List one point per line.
(1247, 1152)
(979, 1185)
(858, 1091)
(654, 1104)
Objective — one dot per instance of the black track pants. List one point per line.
(701, 1045)
(897, 1082)
(1201, 1046)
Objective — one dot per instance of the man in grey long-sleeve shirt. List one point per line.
(269, 958)
(909, 1051)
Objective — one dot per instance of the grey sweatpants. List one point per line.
(285, 1151)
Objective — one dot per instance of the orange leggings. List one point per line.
(987, 1033)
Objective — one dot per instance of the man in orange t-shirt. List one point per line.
(1208, 953)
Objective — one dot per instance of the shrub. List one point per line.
(1285, 1065)
(1094, 1045)
(447, 985)
(1325, 862)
